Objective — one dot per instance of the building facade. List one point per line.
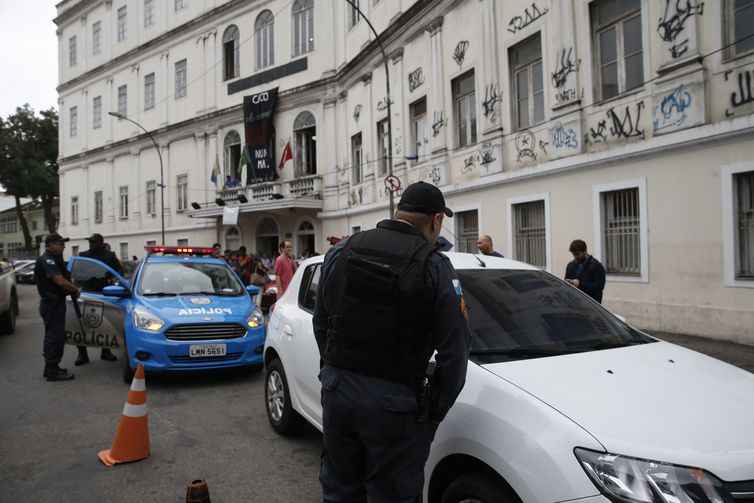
(12, 243)
(626, 123)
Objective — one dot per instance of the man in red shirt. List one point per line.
(285, 267)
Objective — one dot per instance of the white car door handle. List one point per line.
(287, 330)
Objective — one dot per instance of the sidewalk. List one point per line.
(736, 354)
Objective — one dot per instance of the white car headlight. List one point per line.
(256, 319)
(146, 320)
(629, 480)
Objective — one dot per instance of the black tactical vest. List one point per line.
(381, 304)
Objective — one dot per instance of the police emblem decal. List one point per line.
(92, 315)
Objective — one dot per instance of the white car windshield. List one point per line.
(185, 278)
(519, 314)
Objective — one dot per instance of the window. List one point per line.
(97, 37)
(75, 251)
(419, 128)
(74, 126)
(621, 231)
(74, 210)
(467, 231)
(72, 51)
(33, 225)
(98, 207)
(123, 100)
(740, 25)
(122, 20)
(303, 27)
(149, 87)
(354, 16)
(355, 229)
(305, 138)
(90, 276)
(123, 213)
(8, 224)
(148, 13)
(180, 5)
(527, 83)
(744, 215)
(464, 100)
(183, 242)
(264, 38)
(309, 287)
(232, 159)
(231, 52)
(356, 158)
(151, 197)
(180, 79)
(151, 243)
(97, 112)
(124, 251)
(383, 141)
(530, 233)
(182, 192)
(616, 27)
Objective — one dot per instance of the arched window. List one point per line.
(232, 158)
(264, 37)
(303, 27)
(305, 139)
(231, 52)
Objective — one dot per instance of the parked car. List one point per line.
(25, 274)
(564, 401)
(8, 299)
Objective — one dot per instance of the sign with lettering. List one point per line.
(259, 125)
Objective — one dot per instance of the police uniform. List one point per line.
(387, 300)
(52, 309)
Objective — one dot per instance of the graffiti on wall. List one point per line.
(415, 79)
(627, 124)
(383, 104)
(743, 95)
(672, 24)
(440, 121)
(564, 137)
(670, 112)
(566, 66)
(484, 156)
(525, 145)
(598, 135)
(491, 99)
(459, 53)
(530, 15)
(357, 112)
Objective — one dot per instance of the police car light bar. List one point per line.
(179, 250)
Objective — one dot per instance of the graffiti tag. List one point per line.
(491, 99)
(744, 94)
(564, 137)
(671, 111)
(440, 122)
(415, 79)
(673, 23)
(518, 23)
(566, 66)
(525, 142)
(459, 54)
(628, 125)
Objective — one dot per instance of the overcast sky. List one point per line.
(28, 50)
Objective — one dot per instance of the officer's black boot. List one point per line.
(108, 355)
(83, 357)
(55, 373)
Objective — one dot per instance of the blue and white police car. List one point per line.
(181, 310)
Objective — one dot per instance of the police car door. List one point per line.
(101, 323)
(304, 345)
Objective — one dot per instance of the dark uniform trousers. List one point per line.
(53, 315)
(374, 450)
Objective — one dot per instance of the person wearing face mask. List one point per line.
(585, 272)
(387, 300)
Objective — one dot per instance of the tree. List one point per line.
(28, 162)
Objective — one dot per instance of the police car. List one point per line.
(182, 310)
(564, 401)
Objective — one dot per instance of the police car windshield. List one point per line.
(187, 278)
(517, 315)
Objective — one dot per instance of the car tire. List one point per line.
(283, 418)
(128, 372)
(478, 487)
(8, 319)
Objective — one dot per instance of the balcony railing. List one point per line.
(308, 186)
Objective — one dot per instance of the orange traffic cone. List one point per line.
(131, 441)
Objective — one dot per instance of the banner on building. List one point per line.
(259, 125)
(230, 215)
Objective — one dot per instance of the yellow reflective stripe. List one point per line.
(131, 410)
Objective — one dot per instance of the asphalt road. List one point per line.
(209, 426)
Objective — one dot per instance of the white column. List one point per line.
(167, 95)
(205, 168)
(85, 121)
(436, 99)
(399, 108)
(489, 73)
(213, 155)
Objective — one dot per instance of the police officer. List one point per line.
(98, 251)
(53, 284)
(387, 300)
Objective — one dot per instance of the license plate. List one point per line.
(205, 350)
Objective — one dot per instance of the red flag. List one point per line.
(287, 156)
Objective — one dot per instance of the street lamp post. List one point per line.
(119, 115)
(387, 98)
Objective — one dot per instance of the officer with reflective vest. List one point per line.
(53, 284)
(387, 301)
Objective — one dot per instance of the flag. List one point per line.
(215, 171)
(287, 156)
(243, 165)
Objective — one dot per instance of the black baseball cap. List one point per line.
(96, 238)
(55, 238)
(423, 197)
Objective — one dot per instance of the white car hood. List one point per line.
(659, 401)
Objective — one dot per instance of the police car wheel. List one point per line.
(478, 488)
(280, 413)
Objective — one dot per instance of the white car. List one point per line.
(563, 400)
